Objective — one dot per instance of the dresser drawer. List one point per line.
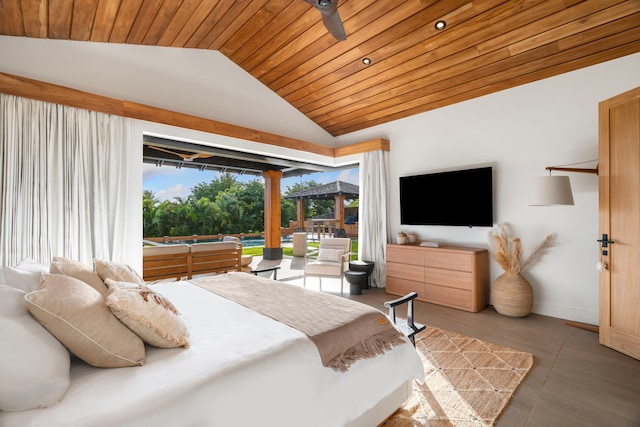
(451, 297)
(448, 260)
(402, 286)
(454, 279)
(405, 271)
(405, 255)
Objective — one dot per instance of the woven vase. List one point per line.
(512, 295)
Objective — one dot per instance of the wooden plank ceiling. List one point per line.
(487, 45)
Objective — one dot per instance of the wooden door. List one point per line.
(619, 212)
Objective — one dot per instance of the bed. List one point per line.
(241, 368)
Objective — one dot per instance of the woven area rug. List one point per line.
(468, 381)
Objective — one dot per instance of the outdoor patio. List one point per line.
(292, 271)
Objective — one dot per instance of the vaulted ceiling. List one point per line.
(486, 46)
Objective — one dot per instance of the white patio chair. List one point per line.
(330, 260)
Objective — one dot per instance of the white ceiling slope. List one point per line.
(199, 82)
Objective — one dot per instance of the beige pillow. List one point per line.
(77, 315)
(333, 255)
(147, 313)
(117, 272)
(78, 270)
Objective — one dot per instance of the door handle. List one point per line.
(604, 244)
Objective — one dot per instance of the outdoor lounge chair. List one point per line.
(245, 259)
(330, 260)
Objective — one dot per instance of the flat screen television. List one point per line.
(457, 198)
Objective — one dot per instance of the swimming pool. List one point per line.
(247, 242)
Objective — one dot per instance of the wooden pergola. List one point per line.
(339, 191)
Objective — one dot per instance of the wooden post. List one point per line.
(339, 208)
(300, 213)
(272, 232)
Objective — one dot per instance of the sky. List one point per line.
(168, 182)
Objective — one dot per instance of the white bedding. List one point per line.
(242, 369)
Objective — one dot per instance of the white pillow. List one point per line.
(333, 255)
(147, 313)
(28, 264)
(26, 281)
(34, 366)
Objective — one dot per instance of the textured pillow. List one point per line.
(117, 272)
(333, 255)
(77, 315)
(78, 270)
(26, 281)
(147, 313)
(34, 366)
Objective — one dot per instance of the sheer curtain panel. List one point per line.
(63, 184)
(372, 215)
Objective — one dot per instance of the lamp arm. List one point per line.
(583, 170)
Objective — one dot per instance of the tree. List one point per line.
(252, 201)
(211, 190)
(222, 206)
(204, 217)
(150, 219)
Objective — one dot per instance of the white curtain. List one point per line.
(372, 213)
(63, 184)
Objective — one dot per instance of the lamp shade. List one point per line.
(551, 190)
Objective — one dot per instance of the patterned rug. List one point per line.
(468, 381)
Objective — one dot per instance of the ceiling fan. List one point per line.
(185, 157)
(330, 17)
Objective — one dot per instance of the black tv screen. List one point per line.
(462, 197)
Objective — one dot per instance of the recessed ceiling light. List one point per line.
(366, 61)
(440, 25)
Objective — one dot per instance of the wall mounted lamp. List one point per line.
(556, 190)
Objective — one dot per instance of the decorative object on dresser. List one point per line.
(512, 293)
(454, 276)
(401, 238)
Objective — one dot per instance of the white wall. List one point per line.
(520, 131)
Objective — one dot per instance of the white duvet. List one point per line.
(242, 369)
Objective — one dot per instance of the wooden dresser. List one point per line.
(454, 276)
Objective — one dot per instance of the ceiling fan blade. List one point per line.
(166, 151)
(192, 157)
(334, 25)
(330, 17)
(185, 157)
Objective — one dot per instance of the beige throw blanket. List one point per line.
(344, 331)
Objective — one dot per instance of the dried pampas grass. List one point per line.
(507, 251)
